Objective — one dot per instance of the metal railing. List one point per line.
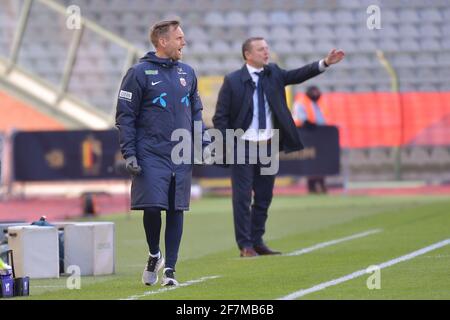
(62, 89)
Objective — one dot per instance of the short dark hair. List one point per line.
(161, 29)
(248, 43)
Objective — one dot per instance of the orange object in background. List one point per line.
(380, 119)
(18, 115)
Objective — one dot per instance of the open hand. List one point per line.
(334, 56)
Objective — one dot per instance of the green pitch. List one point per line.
(402, 225)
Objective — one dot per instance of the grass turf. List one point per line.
(208, 249)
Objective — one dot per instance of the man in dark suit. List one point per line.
(253, 99)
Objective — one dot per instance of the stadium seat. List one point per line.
(279, 18)
(324, 46)
(280, 32)
(199, 47)
(344, 17)
(294, 61)
(408, 15)
(443, 58)
(345, 32)
(408, 31)
(195, 33)
(214, 18)
(235, 18)
(282, 47)
(446, 43)
(389, 16)
(409, 45)
(301, 17)
(304, 46)
(430, 45)
(256, 18)
(403, 60)
(321, 32)
(220, 47)
(323, 16)
(230, 63)
(367, 46)
(348, 46)
(259, 32)
(424, 59)
(429, 30)
(302, 32)
(430, 15)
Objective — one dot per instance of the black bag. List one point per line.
(21, 285)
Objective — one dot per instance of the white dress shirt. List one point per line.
(253, 133)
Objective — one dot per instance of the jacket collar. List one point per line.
(245, 75)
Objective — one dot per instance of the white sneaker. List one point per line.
(150, 274)
(168, 278)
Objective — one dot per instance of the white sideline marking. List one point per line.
(362, 272)
(332, 242)
(184, 284)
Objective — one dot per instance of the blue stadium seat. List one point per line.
(324, 17)
(348, 46)
(431, 15)
(408, 31)
(304, 46)
(345, 32)
(279, 18)
(409, 45)
(195, 33)
(446, 43)
(236, 18)
(324, 46)
(280, 32)
(302, 32)
(214, 18)
(220, 47)
(429, 30)
(403, 60)
(300, 17)
(323, 32)
(430, 44)
(282, 47)
(199, 47)
(256, 18)
(259, 32)
(294, 61)
(344, 17)
(408, 15)
(367, 46)
(443, 58)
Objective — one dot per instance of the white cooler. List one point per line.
(35, 250)
(90, 246)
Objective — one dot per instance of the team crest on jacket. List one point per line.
(183, 82)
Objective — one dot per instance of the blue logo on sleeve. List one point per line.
(161, 100)
(185, 100)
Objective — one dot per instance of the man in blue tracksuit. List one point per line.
(159, 95)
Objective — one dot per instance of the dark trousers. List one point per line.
(250, 217)
(173, 232)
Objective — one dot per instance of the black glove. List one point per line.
(132, 166)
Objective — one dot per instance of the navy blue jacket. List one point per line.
(156, 97)
(234, 109)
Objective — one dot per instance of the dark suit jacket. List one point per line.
(234, 109)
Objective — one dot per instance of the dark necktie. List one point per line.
(261, 104)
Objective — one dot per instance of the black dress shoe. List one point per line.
(265, 250)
